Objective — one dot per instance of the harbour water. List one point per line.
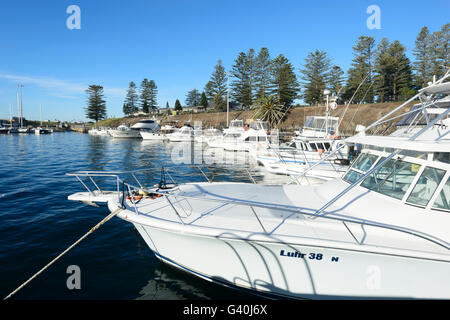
(38, 222)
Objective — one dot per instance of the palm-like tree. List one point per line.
(269, 109)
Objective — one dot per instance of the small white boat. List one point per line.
(41, 130)
(24, 130)
(4, 130)
(99, 131)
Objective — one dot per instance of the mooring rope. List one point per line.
(106, 219)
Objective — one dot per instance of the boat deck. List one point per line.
(219, 210)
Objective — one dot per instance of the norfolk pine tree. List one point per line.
(96, 105)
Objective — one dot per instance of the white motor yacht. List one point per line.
(380, 231)
(299, 155)
(251, 138)
(183, 134)
(146, 124)
(124, 131)
(158, 135)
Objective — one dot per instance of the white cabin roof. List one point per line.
(402, 143)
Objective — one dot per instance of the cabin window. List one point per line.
(392, 179)
(352, 176)
(313, 146)
(327, 146)
(320, 146)
(443, 200)
(261, 138)
(303, 146)
(414, 154)
(442, 157)
(365, 162)
(252, 138)
(426, 186)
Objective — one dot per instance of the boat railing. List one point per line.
(296, 210)
(126, 190)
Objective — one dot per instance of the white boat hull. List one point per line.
(314, 272)
(125, 134)
(324, 171)
(153, 135)
(180, 138)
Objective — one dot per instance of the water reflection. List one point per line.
(95, 155)
(169, 283)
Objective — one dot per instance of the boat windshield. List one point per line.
(443, 200)
(237, 124)
(319, 124)
(394, 179)
(259, 125)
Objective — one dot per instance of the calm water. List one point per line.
(38, 222)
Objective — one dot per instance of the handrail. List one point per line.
(285, 208)
(330, 216)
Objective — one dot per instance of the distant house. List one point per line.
(194, 109)
(170, 111)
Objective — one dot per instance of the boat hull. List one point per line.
(133, 134)
(152, 135)
(298, 271)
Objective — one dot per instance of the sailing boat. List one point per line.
(40, 129)
(11, 128)
(21, 129)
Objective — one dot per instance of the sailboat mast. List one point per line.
(21, 108)
(18, 104)
(10, 115)
(41, 114)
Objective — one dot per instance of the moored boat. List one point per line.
(377, 232)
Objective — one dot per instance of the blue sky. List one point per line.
(175, 43)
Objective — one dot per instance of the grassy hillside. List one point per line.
(356, 114)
